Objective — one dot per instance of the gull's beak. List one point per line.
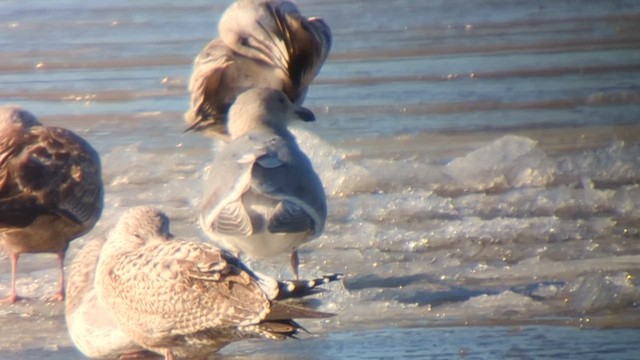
(304, 114)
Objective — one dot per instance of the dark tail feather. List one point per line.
(293, 289)
(279, 323)
(284, 327)
(286, 312)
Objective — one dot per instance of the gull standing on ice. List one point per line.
(51, 189)
(262, 195)
(261, 43)
(187, 299)
(91, 327)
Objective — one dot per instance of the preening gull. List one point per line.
(51, 189)
(262, 195)
(261, 43)
(186, 299)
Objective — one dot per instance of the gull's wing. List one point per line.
(82, 274)
(50, 170)
(308, 42)
(181, 288)
(285, 173)
(276, 33)
(229, 178)
(232, 219)
(208, 109)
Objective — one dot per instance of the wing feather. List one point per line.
(290, 218)
(233, 220)
(194, 288)
(51, 170)
(207, 109)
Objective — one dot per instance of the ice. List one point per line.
(339, 176)
(505, 231)
(504, 305)
(346, 173)
(601, 292)
(509, 162)
(171, 181)
(617, 163)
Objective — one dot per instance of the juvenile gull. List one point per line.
(262, 195)
(91, 327)
(50, 189)
(186, 299)
(261, 43)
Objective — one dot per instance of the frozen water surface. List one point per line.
(481, 159)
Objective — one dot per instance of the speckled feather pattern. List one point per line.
(91, 327)
(82, 274)
(193, 286)
(175, 294)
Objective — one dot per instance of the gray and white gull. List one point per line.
(262, 196)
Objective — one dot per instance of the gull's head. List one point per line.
(261, 107)
(14, 118)
(142, 225)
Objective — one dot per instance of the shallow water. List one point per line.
(481, 158)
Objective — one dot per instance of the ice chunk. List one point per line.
(600, 291)
(615, 164)
(339, 176)
(504, 305)
(509, 162)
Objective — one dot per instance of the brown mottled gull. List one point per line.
(91, 327)
(51, 189)
(261, 43)
(185, 299)
(262, 195)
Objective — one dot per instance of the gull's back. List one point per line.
(262, 195)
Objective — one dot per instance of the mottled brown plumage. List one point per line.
(91, 327)
(185, 299)
(261, 43)
(51, 189)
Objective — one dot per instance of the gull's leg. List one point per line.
(59, 296)
(13, 296)
(168, 354)
(295, 263)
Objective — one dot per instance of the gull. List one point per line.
(262, 196)
(261, 43)
(51, 189)
(187, 299)
(95, 332)
(91, 327)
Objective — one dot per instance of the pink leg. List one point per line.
(295, 262)
(168, 354)
(13, 296)
(59, 296)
